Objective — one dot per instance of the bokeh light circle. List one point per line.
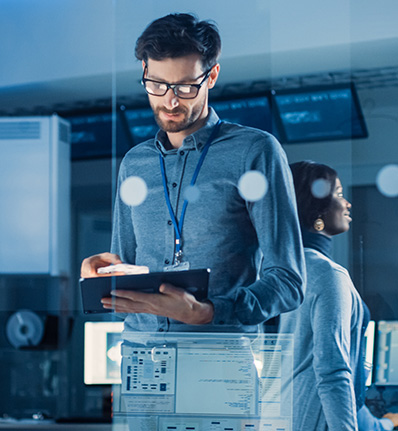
(133, 191)
(252, 186)
(387, 181)
(192, 193)
(320, 188)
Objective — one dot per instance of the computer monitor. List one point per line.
(248, 111)
(140, 123)
(92, 136)
(387, 353)
(319, 113)
(369, 349)
(102, 354)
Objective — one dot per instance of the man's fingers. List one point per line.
(172, 301)
(109, 257)
(91, 264)
(137, 296)
(169, 289)
(127, 305)
(110, 274)
(133, 295)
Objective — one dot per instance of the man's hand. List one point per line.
(91, 264)
(171, 302)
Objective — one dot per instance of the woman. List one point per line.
(329, 375)
(328, 325)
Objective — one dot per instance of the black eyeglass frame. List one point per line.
(175, 86)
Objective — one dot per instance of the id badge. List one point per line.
(182, 266)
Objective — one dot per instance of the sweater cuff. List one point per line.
(223, 311)
(386, 424)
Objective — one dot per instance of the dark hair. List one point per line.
(178, 35)
(310, 207)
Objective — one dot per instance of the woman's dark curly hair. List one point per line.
(310, 207)
(178, 35)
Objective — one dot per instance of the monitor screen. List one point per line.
(369, 349)
(91, 136)
(251, 112)
(387, 353)
(141, 124)
(318, 114)
(102, 354)
(205, 381)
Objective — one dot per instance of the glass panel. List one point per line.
(323, 81)
(374, 198)
(330, 83)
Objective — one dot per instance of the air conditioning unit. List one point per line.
(34, 195)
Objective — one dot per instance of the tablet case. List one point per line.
(93, 289)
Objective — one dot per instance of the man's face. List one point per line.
(174, 114)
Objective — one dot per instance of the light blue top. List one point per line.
(368, 422)
(327, 336)
(236, 239)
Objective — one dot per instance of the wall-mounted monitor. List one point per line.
(248, 111)
(91, 136)
(387, 353)
(102, 352)
(322, 113)
(141, 124)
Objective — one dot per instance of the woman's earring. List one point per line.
(319, 225)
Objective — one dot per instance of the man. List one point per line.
(253, 248)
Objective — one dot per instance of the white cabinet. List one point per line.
(34, 195)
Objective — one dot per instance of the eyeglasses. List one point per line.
(183, 91)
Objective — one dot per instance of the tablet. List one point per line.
(93, 289)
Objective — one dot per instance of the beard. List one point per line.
(185, 123)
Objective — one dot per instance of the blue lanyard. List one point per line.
(178, 225)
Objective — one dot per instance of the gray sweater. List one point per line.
(327, 330)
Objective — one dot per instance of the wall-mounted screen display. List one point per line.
(318, 114)
(91, 136)
(251, 112)
(141, 124)
(248, 111)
